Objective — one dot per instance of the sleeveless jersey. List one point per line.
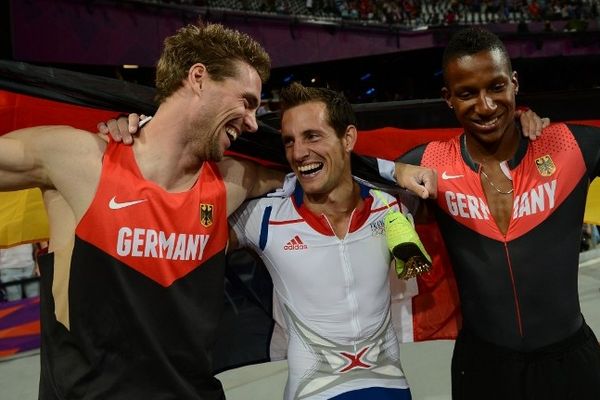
(518, 289)
(334, 294)
(144, 291)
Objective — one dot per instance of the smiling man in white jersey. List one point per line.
(323, 243)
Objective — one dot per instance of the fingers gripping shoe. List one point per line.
(410, 256)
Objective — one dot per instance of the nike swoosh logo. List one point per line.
(113, 204)
(392, 220)
(445, 176)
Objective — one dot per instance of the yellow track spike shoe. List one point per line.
(410, 256)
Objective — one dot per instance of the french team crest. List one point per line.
(545, 165)
(206, 214)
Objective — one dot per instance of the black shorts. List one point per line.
(569, 369)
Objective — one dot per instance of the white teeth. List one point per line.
(488, 123)
(308, 167)
(232, 133)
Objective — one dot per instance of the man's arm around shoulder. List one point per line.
(246, 179)
(21, 165)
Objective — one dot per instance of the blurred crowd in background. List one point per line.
(415, 13)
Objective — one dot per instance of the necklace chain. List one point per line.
(487, 178)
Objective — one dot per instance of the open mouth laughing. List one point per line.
(310, 169)
(232, 133)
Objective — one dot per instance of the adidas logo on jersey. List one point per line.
(295, 244)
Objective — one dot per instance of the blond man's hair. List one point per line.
(217, 47)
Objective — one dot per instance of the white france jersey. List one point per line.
(334, 294)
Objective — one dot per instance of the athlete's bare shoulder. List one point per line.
(53, 157)
(44, 145)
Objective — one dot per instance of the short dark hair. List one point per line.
(471, 41)
(339, 110)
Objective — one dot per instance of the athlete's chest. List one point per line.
(159, 234)
(300, 250)
(541, 181)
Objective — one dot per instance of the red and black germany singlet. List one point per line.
(145, 291)
(518, 290)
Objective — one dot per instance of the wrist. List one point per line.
(387, 169)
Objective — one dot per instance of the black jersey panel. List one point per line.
(134, 339)
(543, 308)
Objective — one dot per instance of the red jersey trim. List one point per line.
(291, 221)
(321, 224)
(162, 235)
(542, 180)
